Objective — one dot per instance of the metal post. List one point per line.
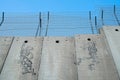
(89, 15)
(102, 17)
(2, 19)
(40, 23)
(91, 22)
(96, 24)
(37, 31)
(114, 9)
(47, 23)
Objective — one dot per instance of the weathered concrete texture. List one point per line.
(23, 59)
(112, 35)
(83, 57)
(58, 60)
(5, 43)
(93, 60)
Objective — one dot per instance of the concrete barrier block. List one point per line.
(112, 35)
(23, 59)
(58, 59)
(93, 60)
(5, 44)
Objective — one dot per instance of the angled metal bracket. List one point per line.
(39, 28)
(2, 19)
(96, 25)
(102, 17)
(92, 29)
(116, 15)
(40, 23)
(48, 17)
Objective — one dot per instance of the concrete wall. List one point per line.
(93, 60)
(5, 44)
(112, 36)
(58, 59)
(23, 60)
(82, 57)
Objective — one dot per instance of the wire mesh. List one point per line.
(59, 23)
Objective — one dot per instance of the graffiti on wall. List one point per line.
(26, 57)
(93, 58)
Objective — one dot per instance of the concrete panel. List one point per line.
(58, 59)
(23, 59)
(5, 43)
(112, 35)
(93, 60)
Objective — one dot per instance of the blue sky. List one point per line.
(53, 5)
(57, 20)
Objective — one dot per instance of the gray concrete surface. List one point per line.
(112, 35)
(58, 59)
(23, 59)
(93, 60)
(5, 43)
(82, 57)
